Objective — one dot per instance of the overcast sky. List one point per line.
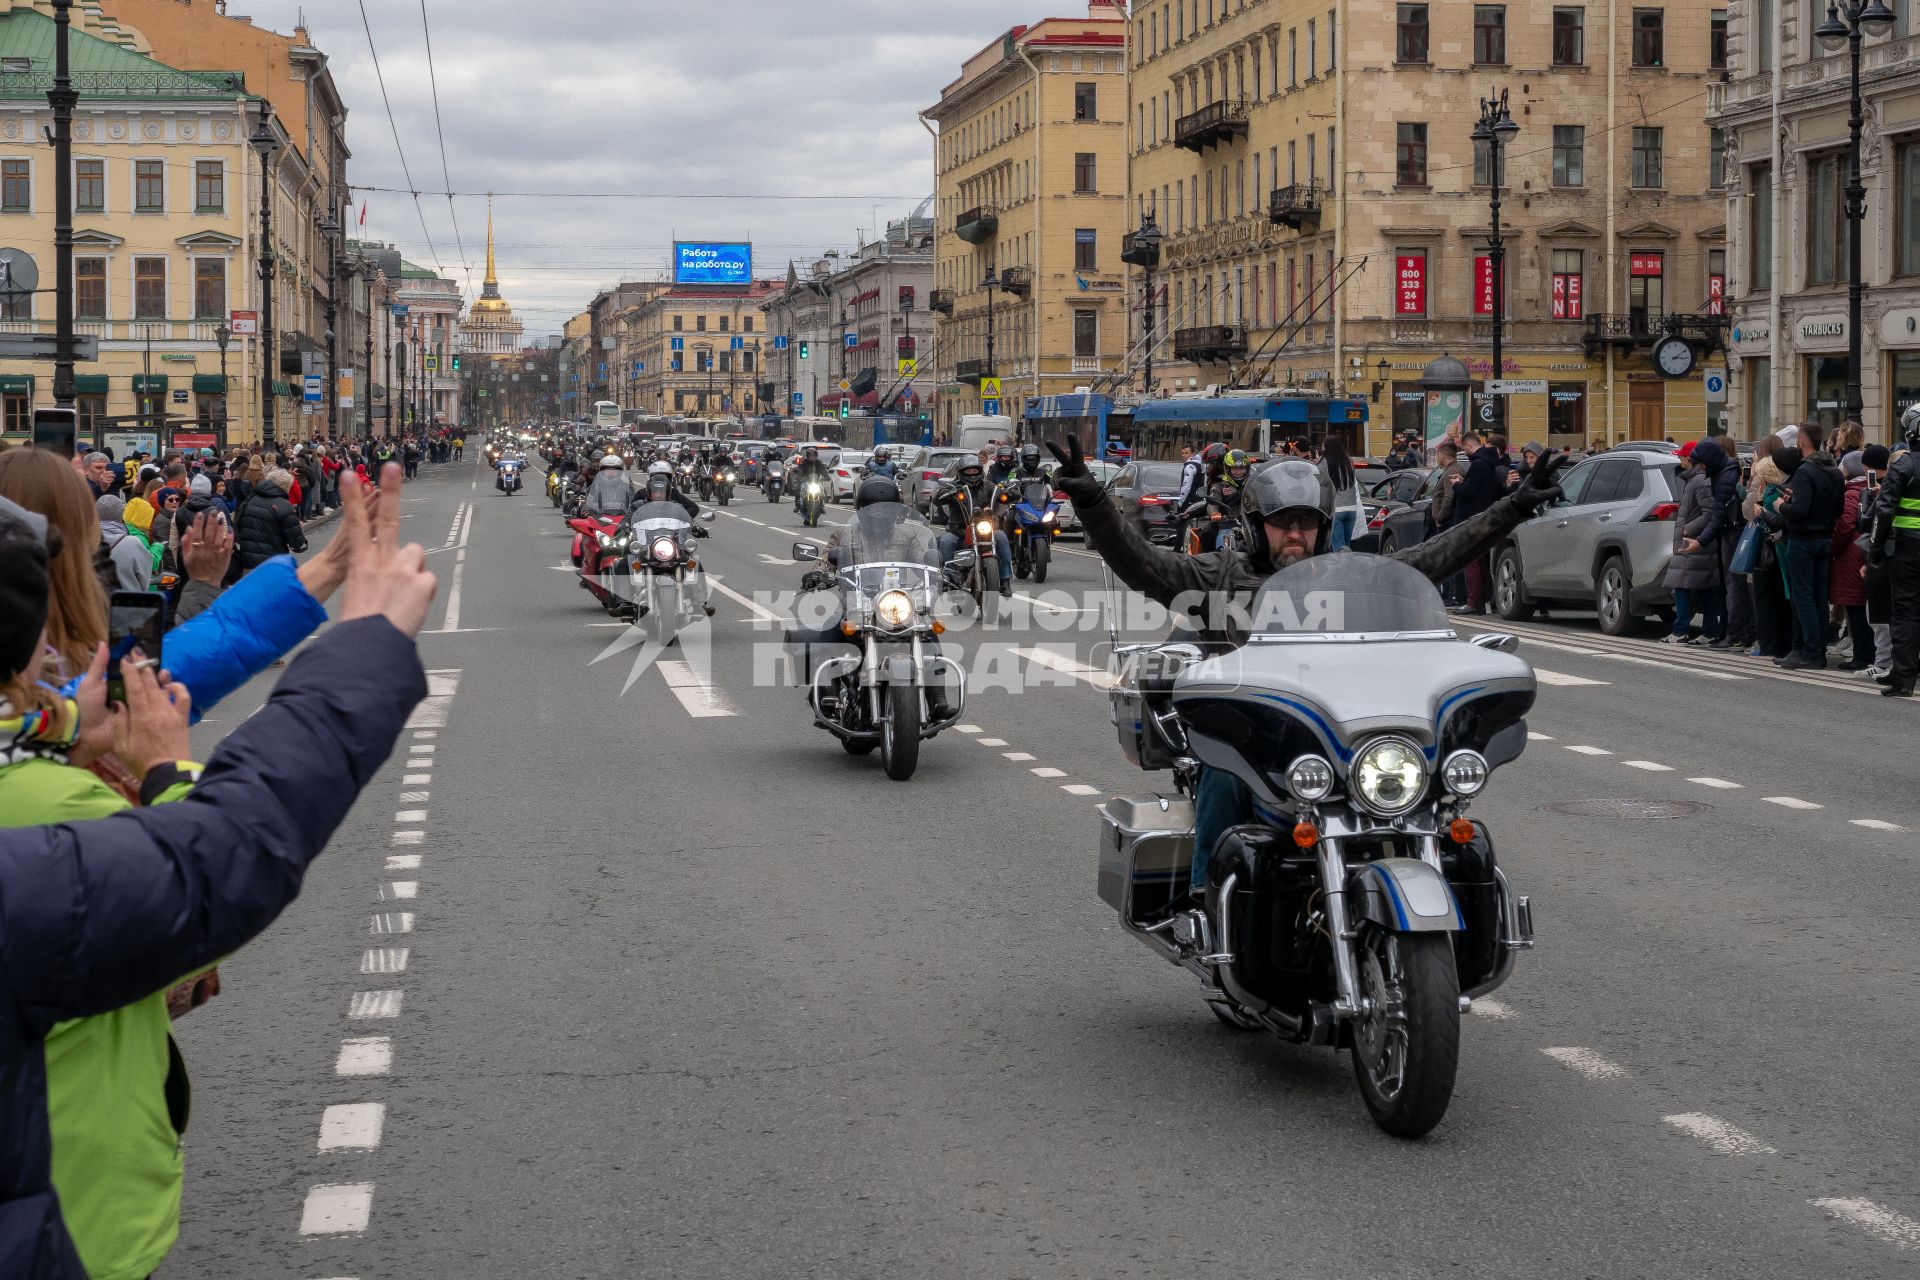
(726, 98)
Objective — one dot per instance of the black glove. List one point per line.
(1542, 485)
(700, 532)
(815, 581)
(1074, 479)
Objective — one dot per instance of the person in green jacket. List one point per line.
(116, 1083)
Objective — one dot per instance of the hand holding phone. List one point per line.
(151, 727)
(135, 620)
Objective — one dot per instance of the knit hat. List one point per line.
(111, 508)
(1686, 450)
(1874, 457)
(1789, 435)
(201, 484)
(23, 586)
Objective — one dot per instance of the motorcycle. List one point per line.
(813, 501)
(508, 479)
(882, 680)
(596, 539)
(1360, 907)
(1031, 519)
(556, 486)
(975, 567)
(667, 586)
(703, 482)
(723, 482)
(775, 475)
(1204, 518)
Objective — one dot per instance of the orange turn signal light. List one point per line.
(847, 628)
(1306, 835)
(1460, 831)
(939, 628)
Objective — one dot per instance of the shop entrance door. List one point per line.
(1646, 411)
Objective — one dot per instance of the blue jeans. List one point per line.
(1343, 522)
(1711, 603)
(1807, 561)
(1220, 801)
(950, 547)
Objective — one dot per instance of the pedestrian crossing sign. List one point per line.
(908, 367)
(989, 388)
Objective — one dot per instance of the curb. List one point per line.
(324, 517)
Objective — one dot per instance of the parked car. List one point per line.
(1604, 546)
(928, 469)
(1067, 521)
(844, 473)
(1380, 498)
(1146, 492)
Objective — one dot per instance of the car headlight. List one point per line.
(1465, 772)
(665, 548)
(894, 609)
(1310, 778)
(1047, 518)
(983, 529)
(605, 541)
(1389, 776)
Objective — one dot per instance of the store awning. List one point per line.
(16, 384)
(90, 384)
(213, 384)
(283, 389)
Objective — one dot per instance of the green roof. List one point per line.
(100, 69)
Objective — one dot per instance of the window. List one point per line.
(699, 324)
(16, 306)
(746, 324)
(1085, 246)
(1760, 227)
(1482, 163)
(16, 186)
(90, 186)
(18, 415)
(1083, 172)
(723, 323)
(1717, 40)
(1293, 58)
(1209, 204)
(1826, 221)
(90, 288)
(1567, 415)
(1293, 163)
(746, 362)
(678, 323)
(1569, 36)
(149, 186)
(1716, 158)
(1411, 155)
(1331, 57)
(1490, 33)
(1568, 284)
(1410, 39)
(1083, 101)
(1646, 294)
(1086, 335)
(1313, 47)
(1763, 34)
(1569, 155)
(1906, 202)
(149, 288)
(1716, 282)
(209, 186)
(1646, 157)
(209, 288)
(1759, 378)
(1649, 37)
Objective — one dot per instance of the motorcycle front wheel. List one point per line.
(900, 735)
(1406, 1051)
(1042, 557)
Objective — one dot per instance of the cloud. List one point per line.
(721, 99)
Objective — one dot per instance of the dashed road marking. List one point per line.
(374, 1004)
(1896, 1229)
(1561, 679)
(1590, 751)
(967, 728)
(1587, 1063)
(1081, 789)
(1067, 664)
(700, 699)
(1792, 802)
(337, 1209)
(991, 742)
(392, 922)
(1018, 757)
(1718, 784)
(1648, 766)
(1049, 773)
(364, 1056)
(384, 960)
(1875, 824)
(399, 889)
(413, 797)
(1489, 1008)
(1727, 1139)
(409, 837)
(352, 1126)
(403, 862)
(416, 779)
(1538, 737)
(410, 815)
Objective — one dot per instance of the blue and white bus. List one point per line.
(1261, 425)
(1096, 420)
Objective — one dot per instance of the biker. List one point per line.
(1031, 467)
(661, 487)
(1895, 543)
(611, 492)
(951, 512)
(1222, 496)
(1286, 516)
(1200, 471)
(881, 465)
(1002, 467)
(809, 468)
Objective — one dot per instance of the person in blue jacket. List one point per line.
(95, 915)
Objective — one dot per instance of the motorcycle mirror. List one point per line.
(708, 517)
(806, 551)
(1499, 641)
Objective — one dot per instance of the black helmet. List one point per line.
(1030, 456)
(659, 487)
(971, 468)
(880, 453)
(1290, 485)
(1213, 455)
(875, 489)
(1910, 426)
(1003, 454)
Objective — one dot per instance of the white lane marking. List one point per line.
(967, 728)
(374, 1004)
(413, 797)
(422, 749)
(403, 862)
(991, 742)
(1538, 737)
(1875, 824)
(1792, 802)
(701, 700)
(1727, 1139)
(352, 1126)
(410, 815)
(364, 1056)
(1718, 784)
(1489, 1008)
(392, 922)
(399, 889)
(1648, 766)
(1019, 757)
(416, 779)
(1049, 773)
(751, 520)
(337, 1209)
(1563, 648)
(451, 620)
(1590, 751)
(409, 837)
(1047, 606)
(1063, 662)
(384, 960)
(1587, 1063)
(1562, 680)
(426, 733)
(1081, 789)
(1897, 1229)
(764, 614)
(1705, 672)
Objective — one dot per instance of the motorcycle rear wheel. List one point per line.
(900, 735)
(1406, 1052)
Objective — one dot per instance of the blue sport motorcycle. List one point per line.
(1031, 522)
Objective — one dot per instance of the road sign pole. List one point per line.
(62, 98)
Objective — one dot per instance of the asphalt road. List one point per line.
(657, 981)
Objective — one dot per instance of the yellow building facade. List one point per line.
(696, 351)
(1030, 154)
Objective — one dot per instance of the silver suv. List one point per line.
(1604, 546)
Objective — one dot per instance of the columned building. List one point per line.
(491, 332)
(1783, 112)
(698, 350)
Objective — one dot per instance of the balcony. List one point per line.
(1639, 329)
(1296, 206)
(1137, 252)
(977, 225)
(1017, 281)
(941, 300)
(1210, 344)
(1211, 125)
(969, 371)
(1086, 364)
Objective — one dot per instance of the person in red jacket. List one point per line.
(1847, 583)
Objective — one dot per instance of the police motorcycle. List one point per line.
(667, 588)
(507, 478)
(1361, 908)
(877, 676)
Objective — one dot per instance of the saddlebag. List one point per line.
(1143, 689)
(1146, 854)
(1469, 869)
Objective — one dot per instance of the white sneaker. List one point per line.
(1673, 639)
(1871, 673)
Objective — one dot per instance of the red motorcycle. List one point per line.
(599, 549)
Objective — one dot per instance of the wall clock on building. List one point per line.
(1673, 357)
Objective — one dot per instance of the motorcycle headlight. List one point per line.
(894, 609)
(813, 490)
(984, 529)
(1465, 772)
(605, 541)
(1389, 776)
(731, 477)
(625, 537)
(665, 549)
(1047, 518)
(1310, 778)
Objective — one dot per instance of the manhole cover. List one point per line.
(1629, 808)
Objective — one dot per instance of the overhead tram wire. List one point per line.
(617, 195)
(395, 126)
(433, 80)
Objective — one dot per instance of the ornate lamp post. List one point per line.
(264, 142)
(1496, 128)
(1146, 251)
(223, 334)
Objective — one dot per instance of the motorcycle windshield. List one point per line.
(658, 518)
(1348, 596)
(888, 545)
(1037, 494)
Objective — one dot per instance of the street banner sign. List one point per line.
(990, 407)
(40, 346)
(345, 392)
(990, 390)
(400, 310)
(245, 324)
(194, 440)
(1517, 387)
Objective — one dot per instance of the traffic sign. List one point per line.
(313, 390)
(990, 390)
(845, 385)
(676, 344)
(40, 346)
(990, 407)
(736, 344)
(1517, 387)
(246, 324)
(1716, 385)
(849, 340)
(780, 342)
(433, 363)
(909, 367)
(799, 399)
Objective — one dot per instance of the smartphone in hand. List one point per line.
(56, 430)
(135, 620)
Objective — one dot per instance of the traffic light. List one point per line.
(806, 350)
(843, 409)
(456, 364)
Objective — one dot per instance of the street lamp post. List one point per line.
(267, 145)
(1496, 128)
(366, 277)
(223, 334)
(331, 230)
(1849, 24)
(406, 408)
(992, 285)
(844, 349)
(63, 98)
(1146, 245)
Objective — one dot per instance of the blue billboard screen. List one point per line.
(700, 262)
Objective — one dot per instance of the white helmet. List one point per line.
(660, 469)
(1910, 426)
(612, 462)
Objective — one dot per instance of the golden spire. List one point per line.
(492, 279)
(490, 302)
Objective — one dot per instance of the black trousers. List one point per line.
(1903, 586)
(1772, 620)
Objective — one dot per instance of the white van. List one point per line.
(979, 430)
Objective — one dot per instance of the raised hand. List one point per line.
(383, 578)
(1073, 464)
(206, 548)
(1542, 484)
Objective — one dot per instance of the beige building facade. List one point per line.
(1030, 155)
(1326, 211)
(698, 351)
